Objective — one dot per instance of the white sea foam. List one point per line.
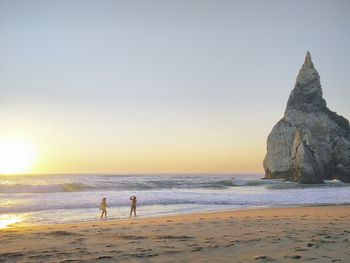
(70, 198)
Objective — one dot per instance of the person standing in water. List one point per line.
(103, 207)
(133, 205)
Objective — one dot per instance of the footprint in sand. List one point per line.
(39, 256)
(300, 249)
(110, 245)
(293, 256)
(230, 244)
(144, 249)
(192, 245)
(196, 249)
(103, 257)
(263, 257)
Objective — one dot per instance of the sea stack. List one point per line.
(310, 143)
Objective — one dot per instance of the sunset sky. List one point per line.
(161, 86)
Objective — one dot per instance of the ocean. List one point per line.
(52, 199)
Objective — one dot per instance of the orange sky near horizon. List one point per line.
(150, 156)
(145, 159)
(74, 145)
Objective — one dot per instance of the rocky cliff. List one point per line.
(310, 143)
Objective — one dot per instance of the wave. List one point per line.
(213, 199)
(127, 185)
(100, 183)
(138, 183)
(25, 188)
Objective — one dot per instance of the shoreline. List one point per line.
(311, 233)
(158, 197)
(23, 226)
(139, 219)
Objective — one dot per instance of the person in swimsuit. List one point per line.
(133, 205)
(103, 208)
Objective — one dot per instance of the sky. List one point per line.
(161, 86)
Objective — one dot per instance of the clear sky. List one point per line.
(161, 86)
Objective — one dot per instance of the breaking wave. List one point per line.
(139, 183)
(70, 198)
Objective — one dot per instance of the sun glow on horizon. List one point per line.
(16, 156)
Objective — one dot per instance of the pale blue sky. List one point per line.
(115, 73)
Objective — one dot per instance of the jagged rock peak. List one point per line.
(308, 61)
(307, 73)
(307, 92)
(310, 143)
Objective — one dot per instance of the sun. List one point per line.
(16, 156)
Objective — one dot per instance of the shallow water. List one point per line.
(48, 199)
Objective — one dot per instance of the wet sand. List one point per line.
(299, 234)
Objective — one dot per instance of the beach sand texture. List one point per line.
(299, 234)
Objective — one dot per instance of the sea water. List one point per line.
(50, 199)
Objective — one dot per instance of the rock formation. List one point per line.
(310, 143)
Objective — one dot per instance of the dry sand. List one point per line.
(300, 234)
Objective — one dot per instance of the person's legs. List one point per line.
(104, 212)
(133, 209)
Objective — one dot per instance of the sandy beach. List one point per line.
(299, 234)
